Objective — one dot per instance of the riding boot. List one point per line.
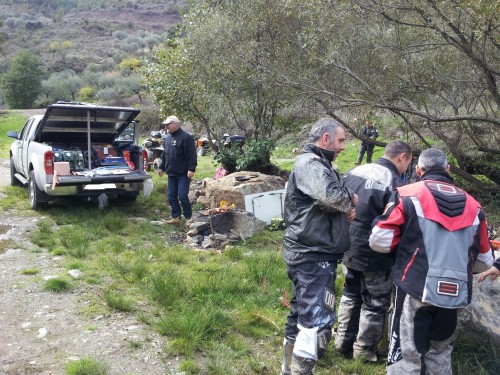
(302, 366)
(287, 356)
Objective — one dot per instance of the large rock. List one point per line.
(237, 221)
(481, 316)
(235, 186)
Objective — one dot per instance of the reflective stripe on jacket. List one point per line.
(437, 231)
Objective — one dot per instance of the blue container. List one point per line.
(114, 160)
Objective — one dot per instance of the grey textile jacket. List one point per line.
(315, 210)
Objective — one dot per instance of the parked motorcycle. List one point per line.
(154, 148)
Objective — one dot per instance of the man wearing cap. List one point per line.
(178, 161)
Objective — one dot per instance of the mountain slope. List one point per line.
(80, 37)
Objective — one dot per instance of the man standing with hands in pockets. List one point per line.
(178, 161)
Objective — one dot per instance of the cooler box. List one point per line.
(74, 158)
(113, 160)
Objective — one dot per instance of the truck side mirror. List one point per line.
(12, 134)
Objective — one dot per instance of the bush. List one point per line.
(120, 35)
(255, 155)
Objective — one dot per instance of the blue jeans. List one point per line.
(177, 191)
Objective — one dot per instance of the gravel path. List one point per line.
(40, 331)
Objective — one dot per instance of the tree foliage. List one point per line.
(22, 83)
(63, 85)
(432, 64)
(215, 67)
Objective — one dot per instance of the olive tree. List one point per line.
(433, 64)
(219, 59)
(63, 85)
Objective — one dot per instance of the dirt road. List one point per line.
(40, 331)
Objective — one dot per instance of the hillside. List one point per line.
(74, 38)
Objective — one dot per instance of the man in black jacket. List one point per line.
(317, 211)
(367, 288)
(178, 161)
(371, 132)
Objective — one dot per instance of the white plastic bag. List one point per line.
(306, 343)
(148, 188)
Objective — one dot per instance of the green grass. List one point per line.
(56, 285)
(116, 300)
(221, 314)
(86, 366)
(30, 271)
(8, 121)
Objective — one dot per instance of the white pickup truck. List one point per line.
(78, 150)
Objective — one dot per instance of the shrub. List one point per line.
(120, 35)
(87, 94)
(227, 157)
(255, 155)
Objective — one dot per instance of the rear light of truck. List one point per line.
(48, 162)
(145, 160)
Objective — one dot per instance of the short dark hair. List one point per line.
(395, 148)
(322, 126)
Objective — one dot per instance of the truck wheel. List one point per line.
(13, 180)
(35, 194)
(200, 151)
(156, 164)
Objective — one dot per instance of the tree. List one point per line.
(219, 62)
(176, 86)
(433, 65)
(21, 84)
(63, 85)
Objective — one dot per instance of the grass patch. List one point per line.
(167, 287)
(86, 366)
(117, 301)
(44, 235)
(9, 121)
(56, 285)
(189, 367)
(193, 325)
(30, 271)
(474, 355)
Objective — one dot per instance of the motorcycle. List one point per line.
(153, 145)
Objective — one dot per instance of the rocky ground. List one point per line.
(40, 331)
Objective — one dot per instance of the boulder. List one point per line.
(233, 188)
(481, 317)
